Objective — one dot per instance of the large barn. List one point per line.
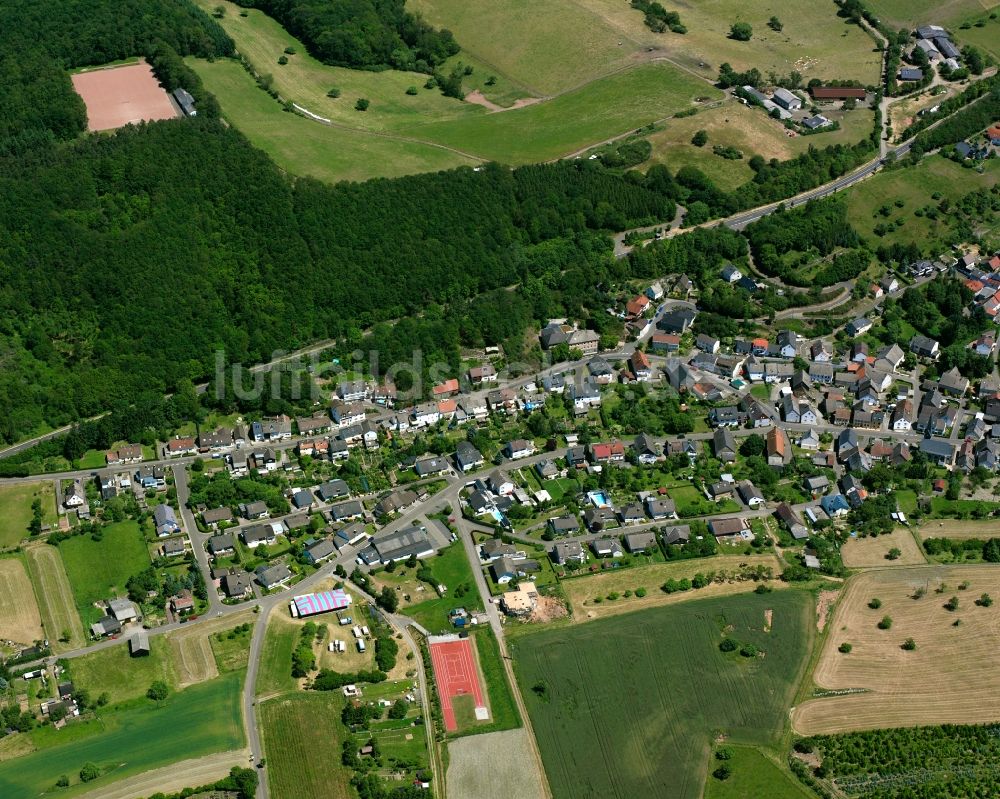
(323, 602)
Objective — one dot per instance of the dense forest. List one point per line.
(362, 33)
(40, 40)
(127, 261)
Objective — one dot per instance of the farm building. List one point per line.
(837, 93)
(400, 545)
(138, 644)
(321, 602)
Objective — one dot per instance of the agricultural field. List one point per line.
(914, 187)
(121, 677)
(55, 597)
(581, 592)
(98, 570)
(20, 620)
(625, 726)
(198, 721)
(748, 130)
(15, 509)
(948, 678)
(291, 726)
(202, 650)
(869, 552)
(755, 774)
(493, 765)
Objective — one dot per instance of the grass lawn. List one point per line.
(451, 568)
(910, 13)
(231, 649)
(914, 187)
(611, 716)
(754, 774)
(15, 509)
(55, 597)
(122, 677)
(198, 721)
(906, 500)
(99, 569)
(761, 391)
(276, 656)
(291, 727)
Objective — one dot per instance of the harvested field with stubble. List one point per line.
(950, 677)
(493, 765)
(20, 620)
(959, 529)
(870, 552)
(55, 597)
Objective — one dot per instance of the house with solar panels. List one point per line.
(321, 602)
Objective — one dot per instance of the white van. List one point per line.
(361, 645)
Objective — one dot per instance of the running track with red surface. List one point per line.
(455, 674)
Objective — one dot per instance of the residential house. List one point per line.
(430, 467)
(213, 517)
(925, 347)
(312, 425)
(646, 450)
(484, 373)
(165, 521)
(127, 453)
(677, 320)
(254, 510)
(236, 584)
(273, 576)
(707, 343)
(791, 520)
(750, 494)
(467, 457)
(564, 525)
(597, 519)
(893, 354)
(730, 273)
(607, 452)
(320, 551)
(779, 451)
(334, 489)
(258, 534)
(638, 543)
(564, 552)
(724, 445)
(181, 446)
(347, 511)
(607, 548)
(952, 382)
(835, 505)
(889, 283)
(858, 327)
(640, 366)
(221, 545)
(519, 448)
(678, 534)
(721, 528)
(660, 507)
(631, 514)
(939, 451)
(902, 415)
(665, 342)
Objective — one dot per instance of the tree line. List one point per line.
(362, 33)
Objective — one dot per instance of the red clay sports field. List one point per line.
(456, 675)
(117, 96)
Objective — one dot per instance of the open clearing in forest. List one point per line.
(493, 765)
(624, 726)
(54, 596)
(951, 676)
(20, 620)
(860, 553)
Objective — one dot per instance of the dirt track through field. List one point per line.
(959, 528)
(951, 677)
(173, 778)
(20, 620)
(56, 600)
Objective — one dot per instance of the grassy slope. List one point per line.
(950, 14)
(914, 186)
(99, 569)
(502, 707)
(198, 721)
(640, 723)
(292, 728)
(15, 509)
(307, 148)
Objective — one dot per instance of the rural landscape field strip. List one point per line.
(492, 766)
(198, 721)
(624, 726)
(929, 685)
(54, 596)
(20, 620)
(871, 552)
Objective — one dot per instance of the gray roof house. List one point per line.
(165, 520)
